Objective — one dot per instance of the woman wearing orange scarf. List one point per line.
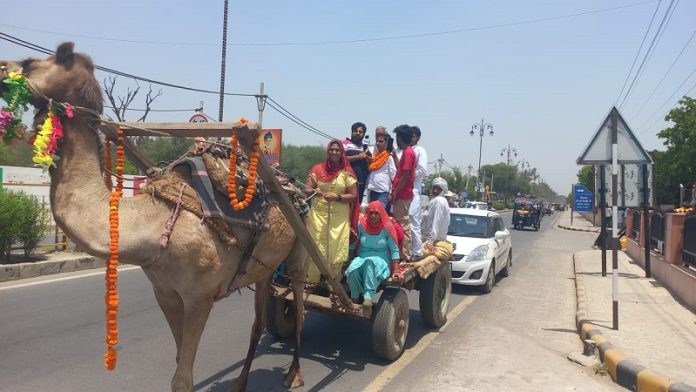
(334, 186)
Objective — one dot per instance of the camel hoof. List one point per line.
(238, 385)
(180, 386)
(293, 380)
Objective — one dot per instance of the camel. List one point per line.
(197, 267)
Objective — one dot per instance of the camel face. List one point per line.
(66, 77)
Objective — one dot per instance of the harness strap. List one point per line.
(173, 216)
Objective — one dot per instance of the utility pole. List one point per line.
(222, 63)
(481, 128)
(261, 104)
(439, 165)
(509, 150)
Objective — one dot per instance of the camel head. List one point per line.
(65, 76)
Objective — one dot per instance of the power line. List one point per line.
(651, 49)
(667, 100)
(639, 49)
(272, 103)
(352, 41)
(665, 75)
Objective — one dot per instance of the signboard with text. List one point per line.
(630, 189)
(582, 199)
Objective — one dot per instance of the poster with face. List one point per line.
(269, 143)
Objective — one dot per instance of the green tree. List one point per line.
(19, 154)
(586, 176)
(297, 160)
(33, 223)
(677, 165)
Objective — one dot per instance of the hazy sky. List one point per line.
(543, 78)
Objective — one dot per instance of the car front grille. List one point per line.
(457, 257)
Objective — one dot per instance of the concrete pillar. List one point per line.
(674, 237)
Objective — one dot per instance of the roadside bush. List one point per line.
(499, 205)
(23, 219)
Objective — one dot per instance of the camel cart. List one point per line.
(389, 316)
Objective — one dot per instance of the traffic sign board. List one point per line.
(198, 117)
(582, 199)
(599, 150)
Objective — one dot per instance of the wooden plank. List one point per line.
(177, 129)
(143, 163)
(301, 231)
(322, 304)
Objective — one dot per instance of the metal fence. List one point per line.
(657, 232)
(689, 248)
(636, 225)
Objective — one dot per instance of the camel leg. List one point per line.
(260, 296)
(196, 312)
(294, 377)
(171, 304)
(173, 309)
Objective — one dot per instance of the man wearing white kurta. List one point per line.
(414, 211)
(436, 218)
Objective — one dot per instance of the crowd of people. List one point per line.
(366, 214)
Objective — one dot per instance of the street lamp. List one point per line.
(481, 128)
(509, 150)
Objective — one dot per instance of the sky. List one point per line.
(544, 74)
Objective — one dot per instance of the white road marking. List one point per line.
(101, 272)
(409, 355)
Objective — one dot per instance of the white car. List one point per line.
(483, 247)
(479, 205)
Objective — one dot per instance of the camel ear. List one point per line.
(65, 53)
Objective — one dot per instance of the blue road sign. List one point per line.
(583, 198)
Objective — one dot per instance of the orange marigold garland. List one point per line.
(253, 166)
(111, 297)
(379, 160)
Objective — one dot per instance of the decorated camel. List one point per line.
(196, 267)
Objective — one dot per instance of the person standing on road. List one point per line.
(358, 155)
(436, 218)
(414, 212)
(402, 187)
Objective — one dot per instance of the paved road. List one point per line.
(52, 337)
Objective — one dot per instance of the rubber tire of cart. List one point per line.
(505, 272)
(280, 317)
(390, 324)
(434, 296)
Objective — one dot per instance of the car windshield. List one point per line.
(468, 226)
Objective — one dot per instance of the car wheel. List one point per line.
(506, 270)
(490, 279)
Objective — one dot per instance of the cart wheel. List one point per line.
(280, 316)
(390, 326)
(434, 296)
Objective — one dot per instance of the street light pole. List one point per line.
(481, 128)
(509, 150)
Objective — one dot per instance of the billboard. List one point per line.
(629, 185)
(269, 142)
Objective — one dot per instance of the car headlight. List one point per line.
(479, 253)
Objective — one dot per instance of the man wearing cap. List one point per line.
(436, 218)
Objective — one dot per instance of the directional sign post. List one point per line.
(615, 144)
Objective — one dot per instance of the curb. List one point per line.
(9, 272)
(590, 230)
(624, 372)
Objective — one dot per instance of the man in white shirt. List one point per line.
(436, 218)
(382, 171)
(414, 211)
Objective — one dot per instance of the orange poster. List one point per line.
(269, 142)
